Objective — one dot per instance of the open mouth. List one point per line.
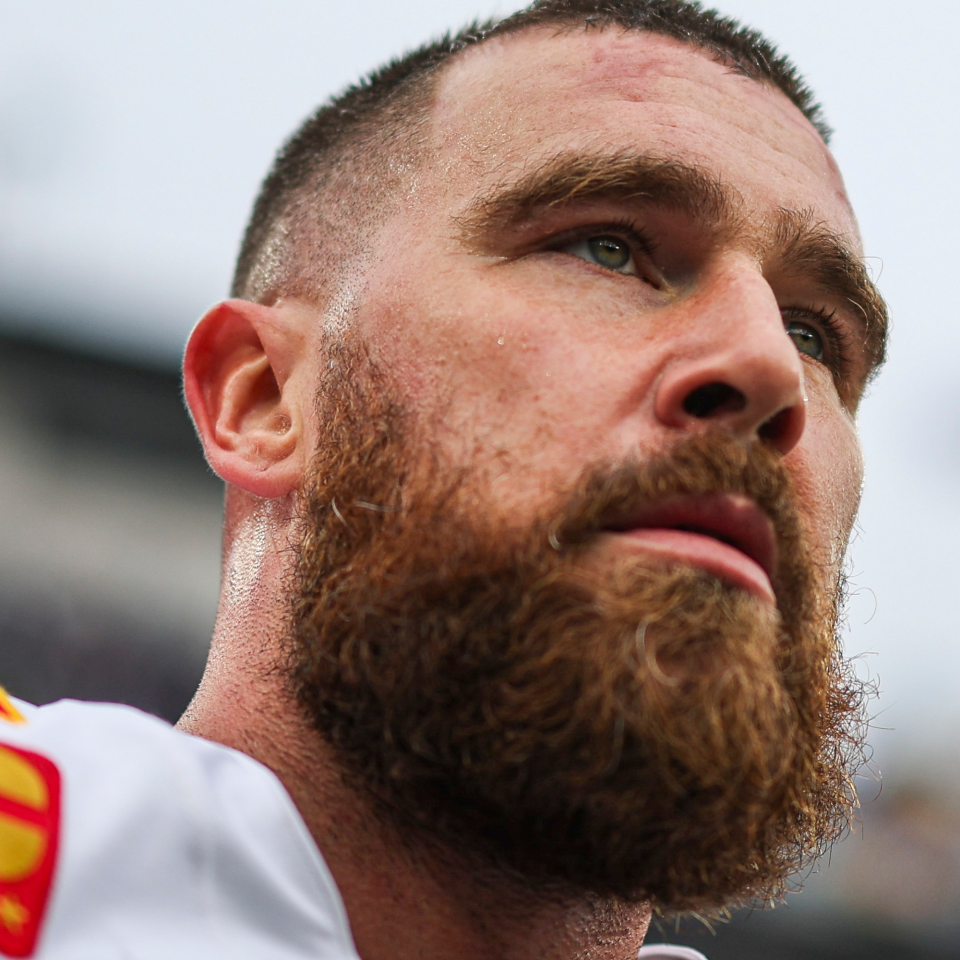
(726, 535)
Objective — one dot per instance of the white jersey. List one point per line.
(122, 838)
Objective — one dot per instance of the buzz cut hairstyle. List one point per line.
(332, 178)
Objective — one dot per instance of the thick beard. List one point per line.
(642, 733)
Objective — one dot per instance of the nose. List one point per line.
(735, 367)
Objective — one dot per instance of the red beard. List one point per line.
(642, 733)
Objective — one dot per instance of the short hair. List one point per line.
(346, 159)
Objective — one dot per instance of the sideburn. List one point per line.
(648, 733)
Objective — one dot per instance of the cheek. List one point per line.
(491, 367)
(464, 367)
(827, 468)
(475, 383)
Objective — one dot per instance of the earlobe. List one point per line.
(240, 382)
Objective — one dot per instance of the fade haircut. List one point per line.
(332, 182)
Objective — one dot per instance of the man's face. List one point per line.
(566, 588)
(546, 332)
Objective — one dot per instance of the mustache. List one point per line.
(697, 466)
(426, 492)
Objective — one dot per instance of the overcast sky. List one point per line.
(133, 136)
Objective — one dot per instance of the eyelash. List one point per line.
(641, 245)
(838, 339)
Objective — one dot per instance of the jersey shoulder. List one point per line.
(126, 837)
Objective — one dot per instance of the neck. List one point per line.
(407, 900)
(404, 900)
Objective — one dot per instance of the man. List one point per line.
(536, 412)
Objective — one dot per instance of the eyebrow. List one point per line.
(567, 178)
(797, 243)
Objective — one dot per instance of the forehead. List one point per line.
(510, 102)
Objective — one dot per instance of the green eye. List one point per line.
(806, 339)
(609, 252)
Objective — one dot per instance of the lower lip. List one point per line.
(698, 550)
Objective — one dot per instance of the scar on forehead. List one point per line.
(791, 239)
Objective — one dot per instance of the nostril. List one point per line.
(778, 426)
(713, 399)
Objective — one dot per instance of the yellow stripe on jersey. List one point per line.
(8, 711)
(21, 781)
(22, 846)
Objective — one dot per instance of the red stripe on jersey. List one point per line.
(29, 837)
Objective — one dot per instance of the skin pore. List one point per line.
(553, 295)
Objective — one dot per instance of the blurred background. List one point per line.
(133, 137)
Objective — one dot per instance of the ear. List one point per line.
(242, 376)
